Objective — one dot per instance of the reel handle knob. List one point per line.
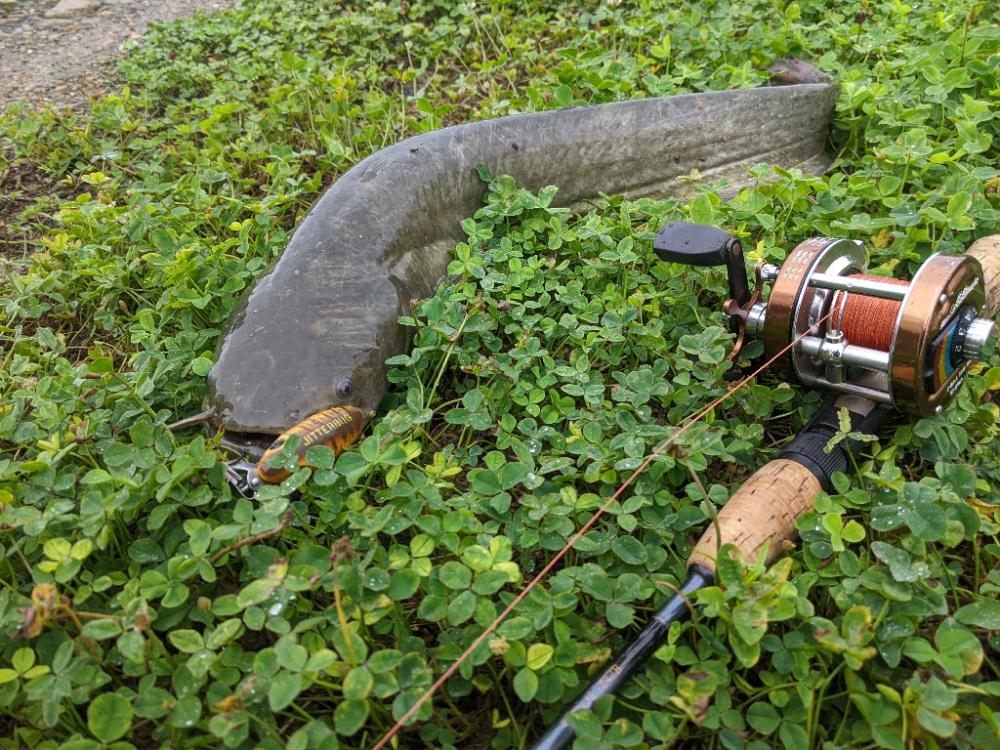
(694, 244)
(703, 245)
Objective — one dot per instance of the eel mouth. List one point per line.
(243, 444)
(246, 445)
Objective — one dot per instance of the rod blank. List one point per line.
(561, 734)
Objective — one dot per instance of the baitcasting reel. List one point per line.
(909, 344)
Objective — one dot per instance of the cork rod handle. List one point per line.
(987, 251)
(763, 511)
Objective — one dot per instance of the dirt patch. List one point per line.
(62, 55)
(19, 187)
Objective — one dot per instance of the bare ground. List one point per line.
(66, 61)
(62, 58)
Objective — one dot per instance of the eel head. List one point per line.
(283, 359)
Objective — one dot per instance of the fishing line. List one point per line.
(447, 674)
(865, 320)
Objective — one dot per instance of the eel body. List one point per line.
(315, 331)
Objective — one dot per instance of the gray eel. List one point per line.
(316, 330)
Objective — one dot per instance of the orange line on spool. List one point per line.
(866, 321)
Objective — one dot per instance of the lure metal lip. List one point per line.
(241, 472)
(242, 477)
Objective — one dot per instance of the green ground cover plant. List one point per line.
(557, 356)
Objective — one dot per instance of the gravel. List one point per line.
(60, 52)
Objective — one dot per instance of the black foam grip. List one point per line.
(808, 450)
(808, 447)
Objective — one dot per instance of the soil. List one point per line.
(65, 61)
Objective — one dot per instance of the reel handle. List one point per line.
(703, 245)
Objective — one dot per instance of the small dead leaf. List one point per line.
(44, 604)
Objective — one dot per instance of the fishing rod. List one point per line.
(877, 344)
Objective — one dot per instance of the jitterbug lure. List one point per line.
(336, 428)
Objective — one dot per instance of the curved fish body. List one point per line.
(315, 331)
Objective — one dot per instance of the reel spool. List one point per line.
(909, 344)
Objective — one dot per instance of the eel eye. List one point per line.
(344, 388)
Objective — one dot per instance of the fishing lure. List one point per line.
(335, 428)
